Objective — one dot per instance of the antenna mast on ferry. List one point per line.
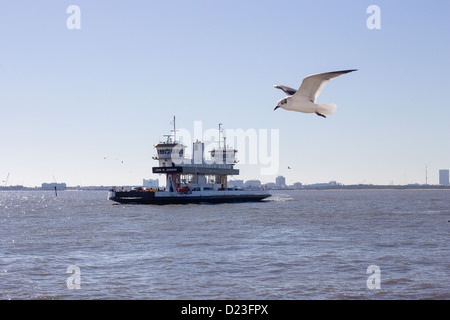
(220, 126)
(174, 130)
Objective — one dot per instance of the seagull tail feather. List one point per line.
(326, 108)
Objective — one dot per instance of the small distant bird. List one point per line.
(304, 99)
(289, 167)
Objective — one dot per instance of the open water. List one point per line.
(297, 245)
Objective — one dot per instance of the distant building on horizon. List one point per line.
(270, 185)
(324, 185)
(444, 177)
(251, 184)
(280, 182)
(53, 185)
(236, 183)
(297, 185)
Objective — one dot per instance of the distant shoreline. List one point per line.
(305, 187)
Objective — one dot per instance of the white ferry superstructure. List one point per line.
(193, 180)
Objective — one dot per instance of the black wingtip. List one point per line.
(346, 71)
(321, 115)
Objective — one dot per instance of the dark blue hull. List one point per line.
(136, 197)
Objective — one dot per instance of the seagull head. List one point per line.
(281, 103)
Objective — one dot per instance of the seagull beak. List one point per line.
(276, 108)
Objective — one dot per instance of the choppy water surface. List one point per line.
(297, 245)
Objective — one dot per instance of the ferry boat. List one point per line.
(193, 180)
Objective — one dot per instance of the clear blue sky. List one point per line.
(71, 98)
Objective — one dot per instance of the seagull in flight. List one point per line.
(304, 99)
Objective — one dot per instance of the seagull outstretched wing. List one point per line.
(312, 85)
(287, 90)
